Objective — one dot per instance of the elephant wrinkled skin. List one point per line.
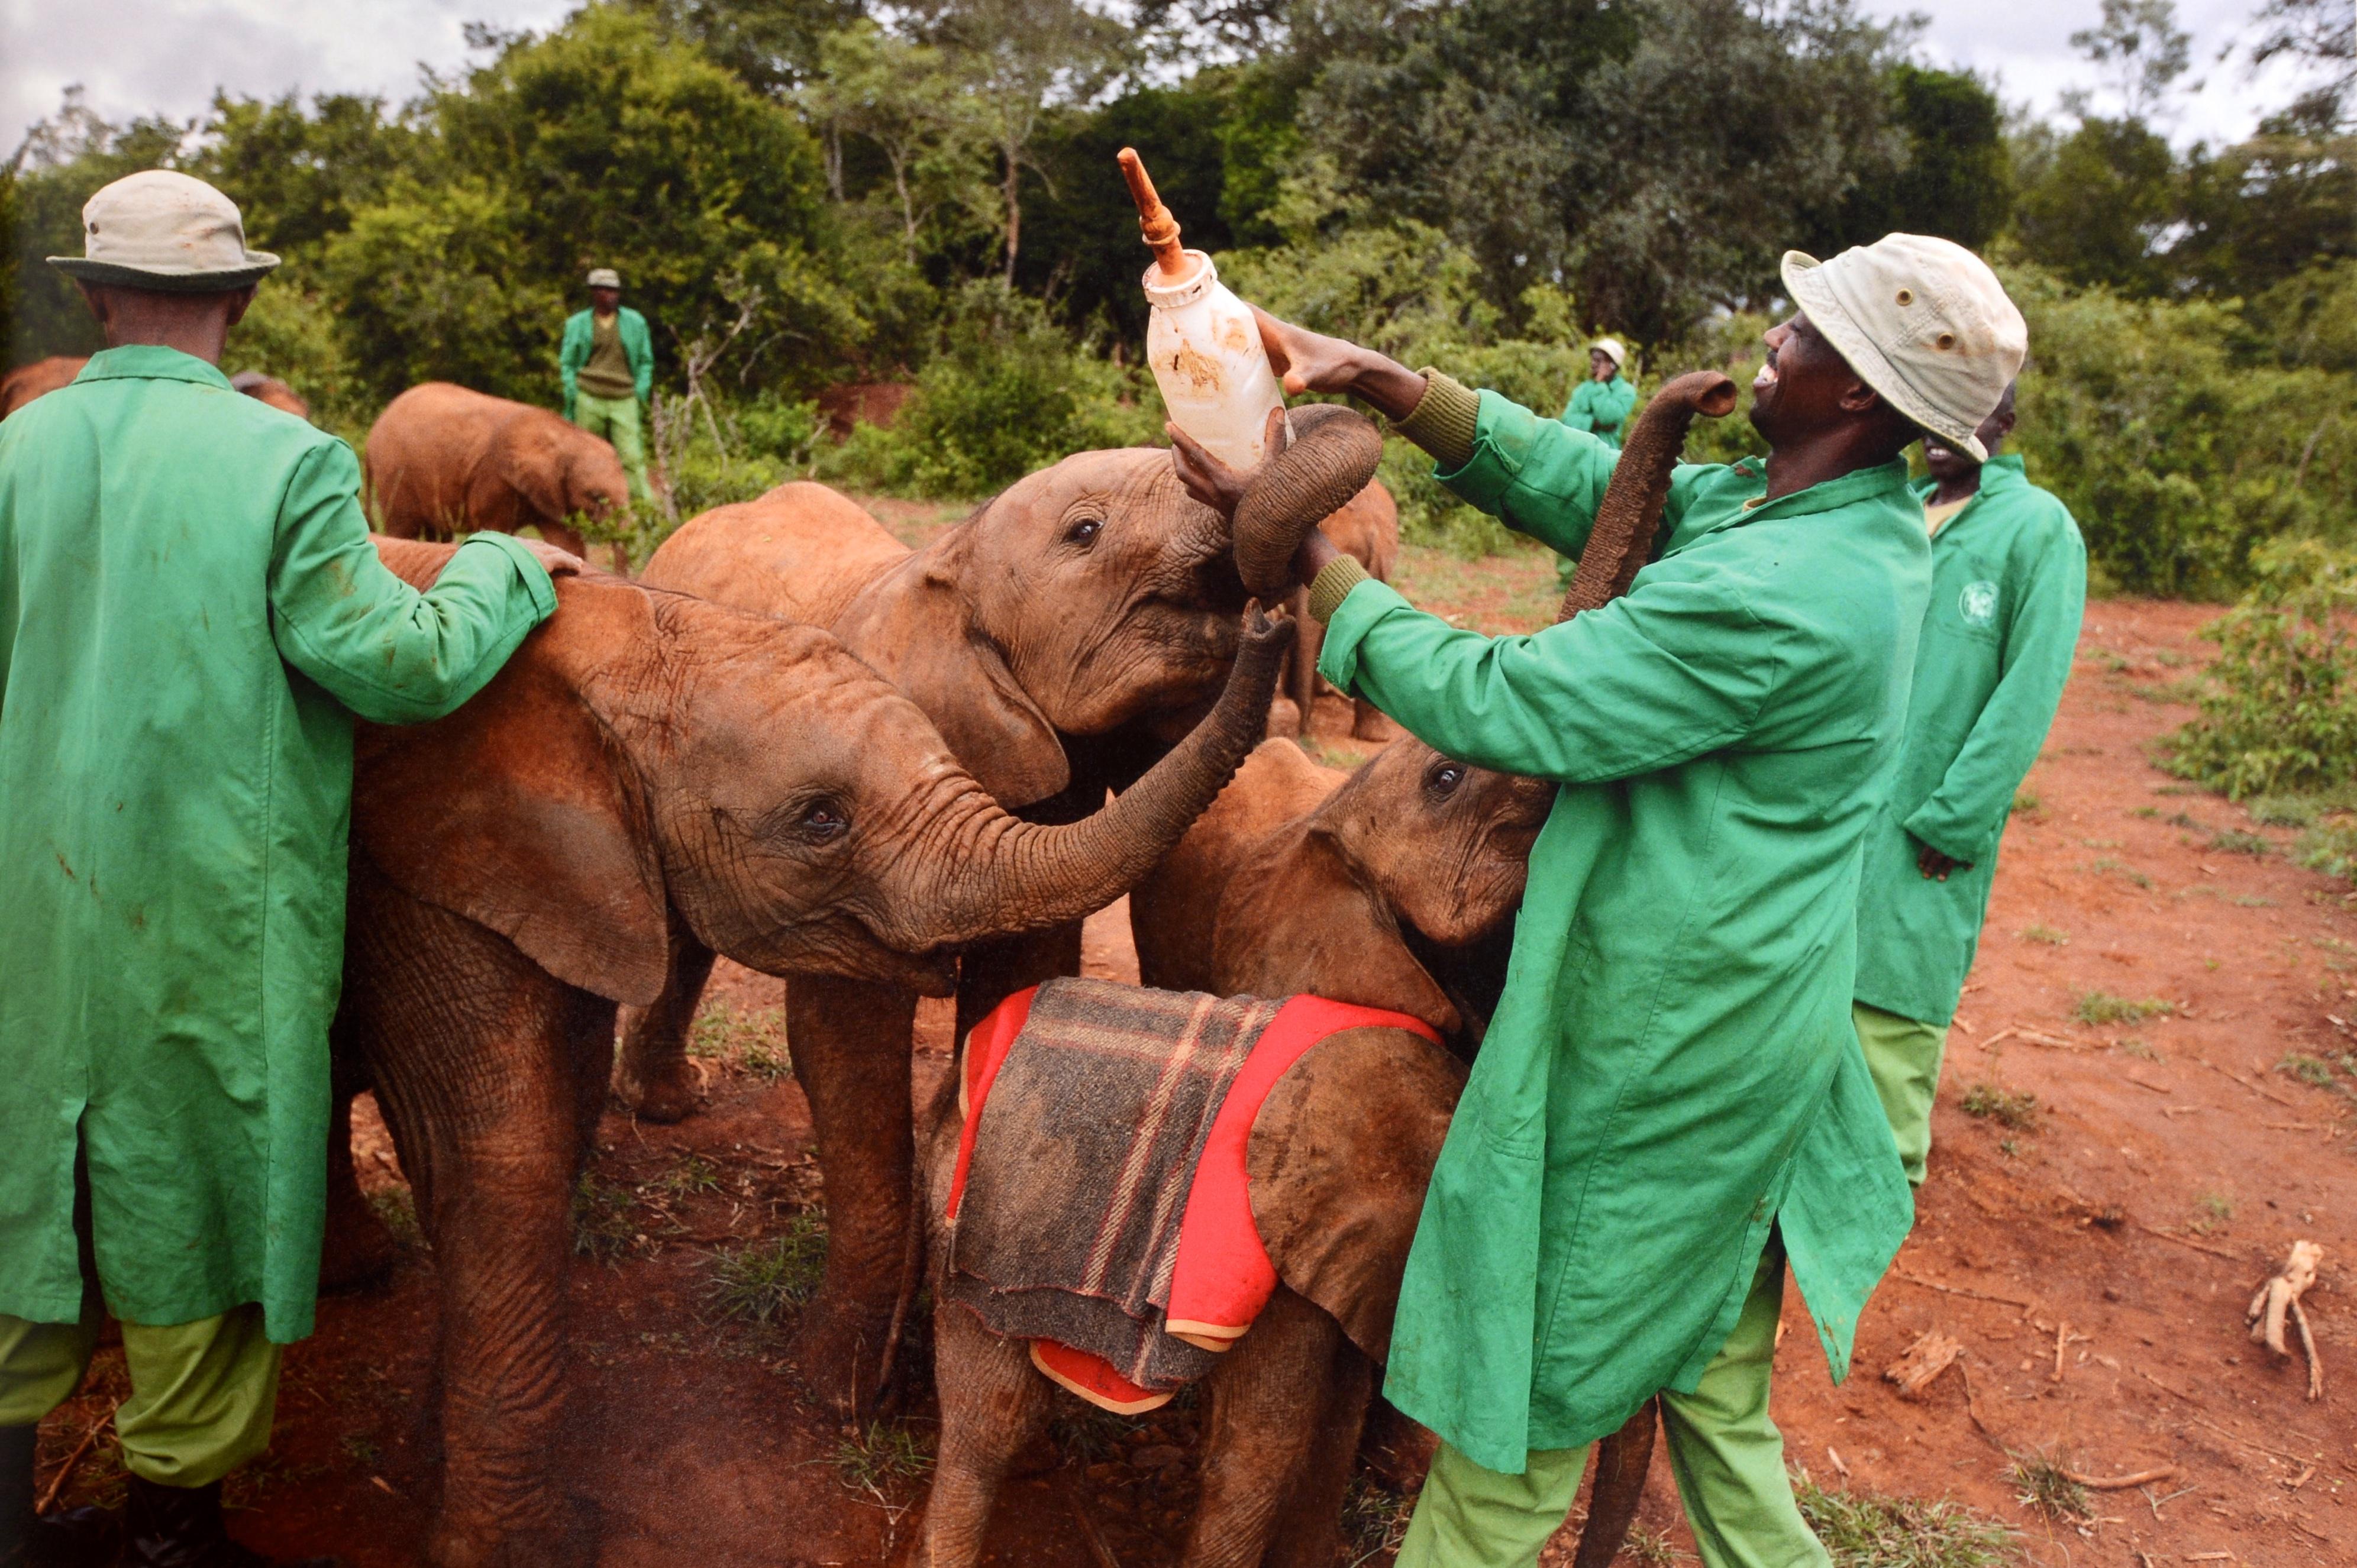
(650, 769)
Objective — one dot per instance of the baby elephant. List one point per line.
(1387, 887)
(442, 461)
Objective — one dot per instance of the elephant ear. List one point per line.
(1297, 917)
(521, 812)
(528, 458)
(1339, 1157)
(915, 628)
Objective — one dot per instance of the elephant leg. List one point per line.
(1622, 1461)
(655, 1079)
(472, 1047)
(1309, 1525)
(850, 1043)
(993, 1405)
(991, 972)
(1265, 1396)
(357, 1250)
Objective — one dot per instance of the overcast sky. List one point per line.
(168, 56)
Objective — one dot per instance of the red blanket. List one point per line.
(1221, 1276)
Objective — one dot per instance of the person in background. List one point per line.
(1671, 1101)
(1600, 405)
(191, 615)
(608, 365)
(2008, 584)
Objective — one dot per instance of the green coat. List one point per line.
(1672, 1071)
(2009, 580)
(638, 347)
(1601, 407)
(190, 614)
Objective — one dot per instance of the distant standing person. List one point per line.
(1600, 405)
(608, 366)
(2009, 582)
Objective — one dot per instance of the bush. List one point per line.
(1009, 392)
(2280, 703)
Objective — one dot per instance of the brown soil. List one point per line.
(2168, 1167)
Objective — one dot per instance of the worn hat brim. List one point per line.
(262, 264)
(1805, 280)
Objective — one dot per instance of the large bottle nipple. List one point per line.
(1160, 230)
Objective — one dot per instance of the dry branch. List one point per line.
(2279, 1298)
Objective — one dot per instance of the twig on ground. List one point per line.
(2279, 1298)
(1960, 1290)
(2263, 1093)
(65, 1471)
(2188, 1241)
(2122, 1483)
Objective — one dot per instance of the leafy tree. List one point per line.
(774, 45)
(902, 96)
(2096, 206)
(2266, 209)
(1956, 180)
(298, 175)
(2322, 35)
(63, 162)
(2141, 46)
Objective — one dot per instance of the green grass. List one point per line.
(2049, 935)
(693, 1174)
(1374, 1520)
(759, 1281)
(2137, 1047)
(747, 1039)
(603, 1225)
(2026, 802)
(2107, 865)
(2284, 810)
(1869, 1529)
(2103, 1007)
(2041, 1485)
(398, 1208)
(1988, 1102)
(884, 1454)
(2213, 1211)
(2233, 840)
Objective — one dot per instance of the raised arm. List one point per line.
(571, 355)
(385, 650)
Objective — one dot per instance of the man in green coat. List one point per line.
(1600, 405)
(608, 365)
(1671, 1101)
(2008, 584)
(192, 613)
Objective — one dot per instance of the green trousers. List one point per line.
(202, 1394)
(617, 420)
(1728, 1455)
(1904, 1057)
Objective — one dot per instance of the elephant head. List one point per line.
(1084, 598)
(647, 752)
(560, 471)
(1396, 891)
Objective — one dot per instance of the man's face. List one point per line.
(1948, 465)
(1803, 386)
(605, 300)
(1599, 364)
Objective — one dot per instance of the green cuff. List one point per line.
(1333, 584)
(1445, 420)
(536, 581)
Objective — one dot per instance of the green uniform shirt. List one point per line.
(1601, 407)
(2009, 580)
(190, 614)
(580, 339)
(1672, 1071)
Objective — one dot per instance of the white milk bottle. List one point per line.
(1202, 339)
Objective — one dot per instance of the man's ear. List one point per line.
(913, 628)
(244, 302)
(1298, 917)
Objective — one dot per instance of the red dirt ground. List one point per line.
(2170, 1166)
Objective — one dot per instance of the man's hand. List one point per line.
(1934, 865)
(1209, 479)
(558, 563)
(1311, 362)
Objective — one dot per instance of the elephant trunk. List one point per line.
(1332, 458)
(1631, 510)
(1014, 875)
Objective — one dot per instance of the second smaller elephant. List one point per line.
(442, 461)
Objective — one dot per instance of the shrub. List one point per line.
(2278, 706)
(2019, 1112)
(1865, 1530)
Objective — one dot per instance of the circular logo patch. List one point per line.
(1977, 603)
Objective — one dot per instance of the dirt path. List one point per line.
(2164, 1165)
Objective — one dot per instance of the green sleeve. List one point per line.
(639, 346)
(1618, 399)
(388, 652)
(1538, 476)
(1575, 412)
(1651, 680)
(1964, 816)
(571, 356)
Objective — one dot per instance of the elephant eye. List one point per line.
(823, 821)
(1445, 777)
(1083, 531)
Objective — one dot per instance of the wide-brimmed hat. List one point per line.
(605, 277)
(161, 230)
(1922, 322)
(1613, 350)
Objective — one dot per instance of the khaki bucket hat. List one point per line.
(605, 277)
(1613, 350)
(161, 230)
(1924, 322)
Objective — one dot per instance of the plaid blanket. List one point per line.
(1103, 1078)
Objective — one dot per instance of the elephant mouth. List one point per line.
(846, 950)
(1471, 974)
